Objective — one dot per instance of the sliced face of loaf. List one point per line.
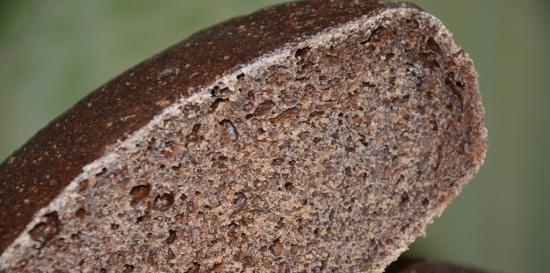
(316, 136)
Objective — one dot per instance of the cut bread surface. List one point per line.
(327, 155)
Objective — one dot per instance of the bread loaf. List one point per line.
(313, 136)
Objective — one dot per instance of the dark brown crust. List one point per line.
(44, 166)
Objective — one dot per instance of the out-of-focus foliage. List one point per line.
(52, 53)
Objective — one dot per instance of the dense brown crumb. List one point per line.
(331, 157)
(41, 169)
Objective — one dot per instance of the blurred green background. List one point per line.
(54, 52)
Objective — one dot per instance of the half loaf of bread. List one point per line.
(313, 136)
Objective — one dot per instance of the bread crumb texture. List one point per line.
(332, 158)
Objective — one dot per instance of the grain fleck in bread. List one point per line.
(307, 137)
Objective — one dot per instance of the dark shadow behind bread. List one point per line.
(404, 265)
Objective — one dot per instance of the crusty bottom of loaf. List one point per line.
(328, 156)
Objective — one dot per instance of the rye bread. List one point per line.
(310, 136)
